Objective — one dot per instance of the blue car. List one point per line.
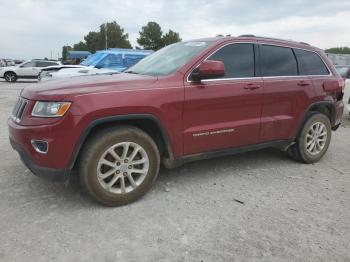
(102, 62)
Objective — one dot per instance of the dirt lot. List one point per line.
(258, 206)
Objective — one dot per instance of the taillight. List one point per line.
(335, 88)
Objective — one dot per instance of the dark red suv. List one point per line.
(189, 101)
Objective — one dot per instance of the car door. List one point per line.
(224, 112)
(286, 93)
(27, 69)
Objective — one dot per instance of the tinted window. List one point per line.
(238, 60)
(45, 63)
(310, 63)
(278, 61)
(51, 63)
(29, 64)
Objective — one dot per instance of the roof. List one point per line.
(78, 54)
(131, 50)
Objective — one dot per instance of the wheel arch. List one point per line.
(324, 107)
(146, 122)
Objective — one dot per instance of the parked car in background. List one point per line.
(18, 61)
(29, 69)
(102, 62)
(188, 101)
(344, 71)
(6, 62)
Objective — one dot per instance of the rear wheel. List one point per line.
(10, 77)
(313, 140)
(119, 165)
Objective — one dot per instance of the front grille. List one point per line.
(18, 110)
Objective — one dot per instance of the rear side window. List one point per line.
(278, 61)
(238, 60)
(310, 63)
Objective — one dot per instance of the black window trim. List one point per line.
(257, 64)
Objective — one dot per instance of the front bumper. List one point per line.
(54, 164)
(40, 171)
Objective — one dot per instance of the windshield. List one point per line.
(92, 60)
(168, 59)
(343, 71)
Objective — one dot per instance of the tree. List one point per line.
(65, 50)
(151, 36)
(81, 46)
(115, 36)
(338, 50)
(171, 37)
(93, 41)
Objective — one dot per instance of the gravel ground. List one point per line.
(258, 206)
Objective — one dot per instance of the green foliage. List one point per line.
(171, 37)
(338, 50)
(151, 37)
(81, 46)
(93, 41)
(116, 36)
(96, 40)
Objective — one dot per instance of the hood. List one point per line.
(68, 88)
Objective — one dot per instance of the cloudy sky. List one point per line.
(35, 28)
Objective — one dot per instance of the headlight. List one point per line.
(50, 109)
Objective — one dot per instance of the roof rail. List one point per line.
(247, 35)
(273, 38)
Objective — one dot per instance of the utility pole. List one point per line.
(106, 35)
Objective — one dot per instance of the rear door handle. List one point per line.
(303, 83)
(252, 86)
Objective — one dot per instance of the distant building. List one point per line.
(75, 57)
(339, 59)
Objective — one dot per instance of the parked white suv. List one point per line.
(29, 69)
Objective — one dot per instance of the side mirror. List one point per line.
(208, 69)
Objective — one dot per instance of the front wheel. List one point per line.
(313, 141)
(10, 77)
(119, 165)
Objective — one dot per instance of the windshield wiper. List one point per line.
(131, 72)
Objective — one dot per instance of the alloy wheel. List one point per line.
(122, 167)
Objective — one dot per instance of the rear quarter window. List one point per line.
(310, 63)
(278, 61)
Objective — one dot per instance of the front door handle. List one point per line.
(303, 83)
(252, 86)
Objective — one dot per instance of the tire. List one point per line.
(10, 77)
(313, 140)
(94, 165)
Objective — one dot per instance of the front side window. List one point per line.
(169, 59)
(278, 61)
(310, 63)
(238, 60)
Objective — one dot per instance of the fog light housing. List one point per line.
(40, 146)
